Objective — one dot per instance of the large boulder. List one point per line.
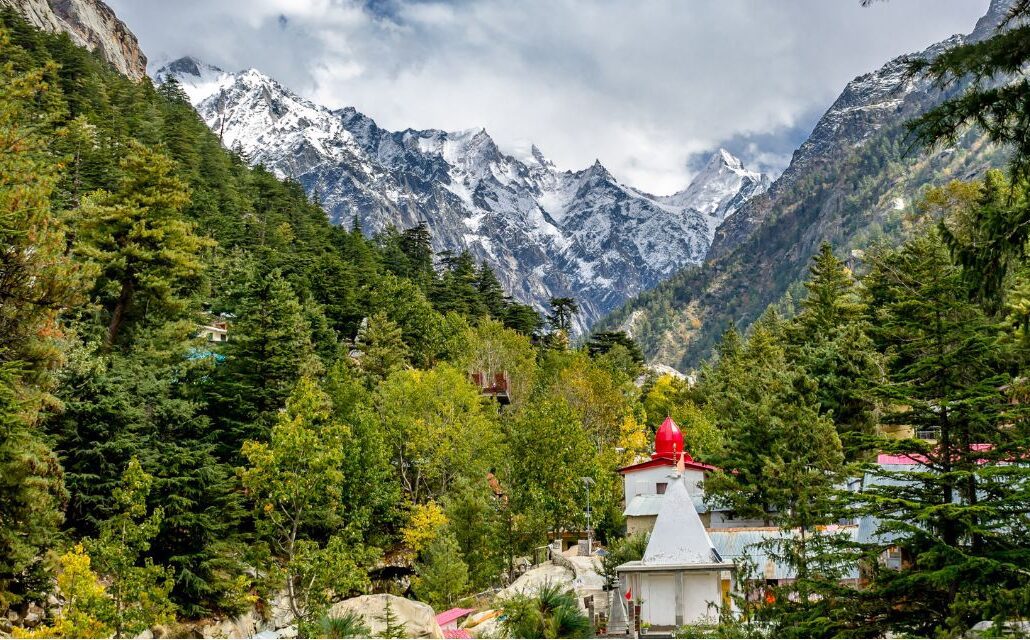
(485, 624)
(244, 626)
(418, 618)
(529, 583)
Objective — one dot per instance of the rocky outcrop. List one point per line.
(91, 24)
(418, 618)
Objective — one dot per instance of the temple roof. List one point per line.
(668, 440)
(679, 537)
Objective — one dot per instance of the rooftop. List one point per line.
(679, 536)
(451, 615)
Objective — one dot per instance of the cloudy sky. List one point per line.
(648, 87)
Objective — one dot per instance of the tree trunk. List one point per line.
(118, 315)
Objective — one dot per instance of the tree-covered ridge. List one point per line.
(152, 478)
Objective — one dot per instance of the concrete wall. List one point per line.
(639, 524)
(659, 591)
(644, 482)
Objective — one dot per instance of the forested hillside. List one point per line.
(220, 415)
(336, 423)
(851, 184)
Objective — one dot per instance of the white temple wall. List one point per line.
(645, 481)
(660, 591)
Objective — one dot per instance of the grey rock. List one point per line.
(91, 24)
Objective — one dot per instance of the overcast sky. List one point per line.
(648, 87)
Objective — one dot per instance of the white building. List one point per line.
(645, 484)
(682, 579)
(214, 332)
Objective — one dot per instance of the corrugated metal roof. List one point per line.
(753, 543)
(648, 505)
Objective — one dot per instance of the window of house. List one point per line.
(660, 487)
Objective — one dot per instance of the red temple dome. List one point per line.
(668, 441)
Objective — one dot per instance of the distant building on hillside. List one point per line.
(495, 385)
(217, 331)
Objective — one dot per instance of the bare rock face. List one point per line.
(418, 618)
(91, 24)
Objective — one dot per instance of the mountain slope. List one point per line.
(90, 24)
(545, 232)
(850, 184)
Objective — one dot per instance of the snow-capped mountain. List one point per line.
(848, 184)
(544, 231)
(869, 104)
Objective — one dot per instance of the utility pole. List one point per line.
(590, 530)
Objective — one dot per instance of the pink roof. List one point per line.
(451, 615)
(457, 633)
(900, 458)
(916, 458)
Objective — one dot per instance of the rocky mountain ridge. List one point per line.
(850, 183)
(544, 231)
(868, 104)
(90, 24)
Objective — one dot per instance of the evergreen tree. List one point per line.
(147, 253)
(32, 500)
(601, 342)
(830, 301)
(37, 277)
(335, 286)
(269, 345)
(829, 339)
(765, 408)
(995, 96)
(457, 289)
(522, 318)
(382, 349)
(392, 626)
(491, 294)
(562, 312)
(416, 244)
(954, 511)
(442, 577)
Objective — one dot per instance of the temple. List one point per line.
(646, 483)
(682, 578)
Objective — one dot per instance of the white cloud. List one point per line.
(641, 86)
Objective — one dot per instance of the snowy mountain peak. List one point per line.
(198, 79)
(540, 158)
(725, 158)
(545, 232)
(722, 185)
(187, 66)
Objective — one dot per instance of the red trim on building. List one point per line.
(667, 462)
